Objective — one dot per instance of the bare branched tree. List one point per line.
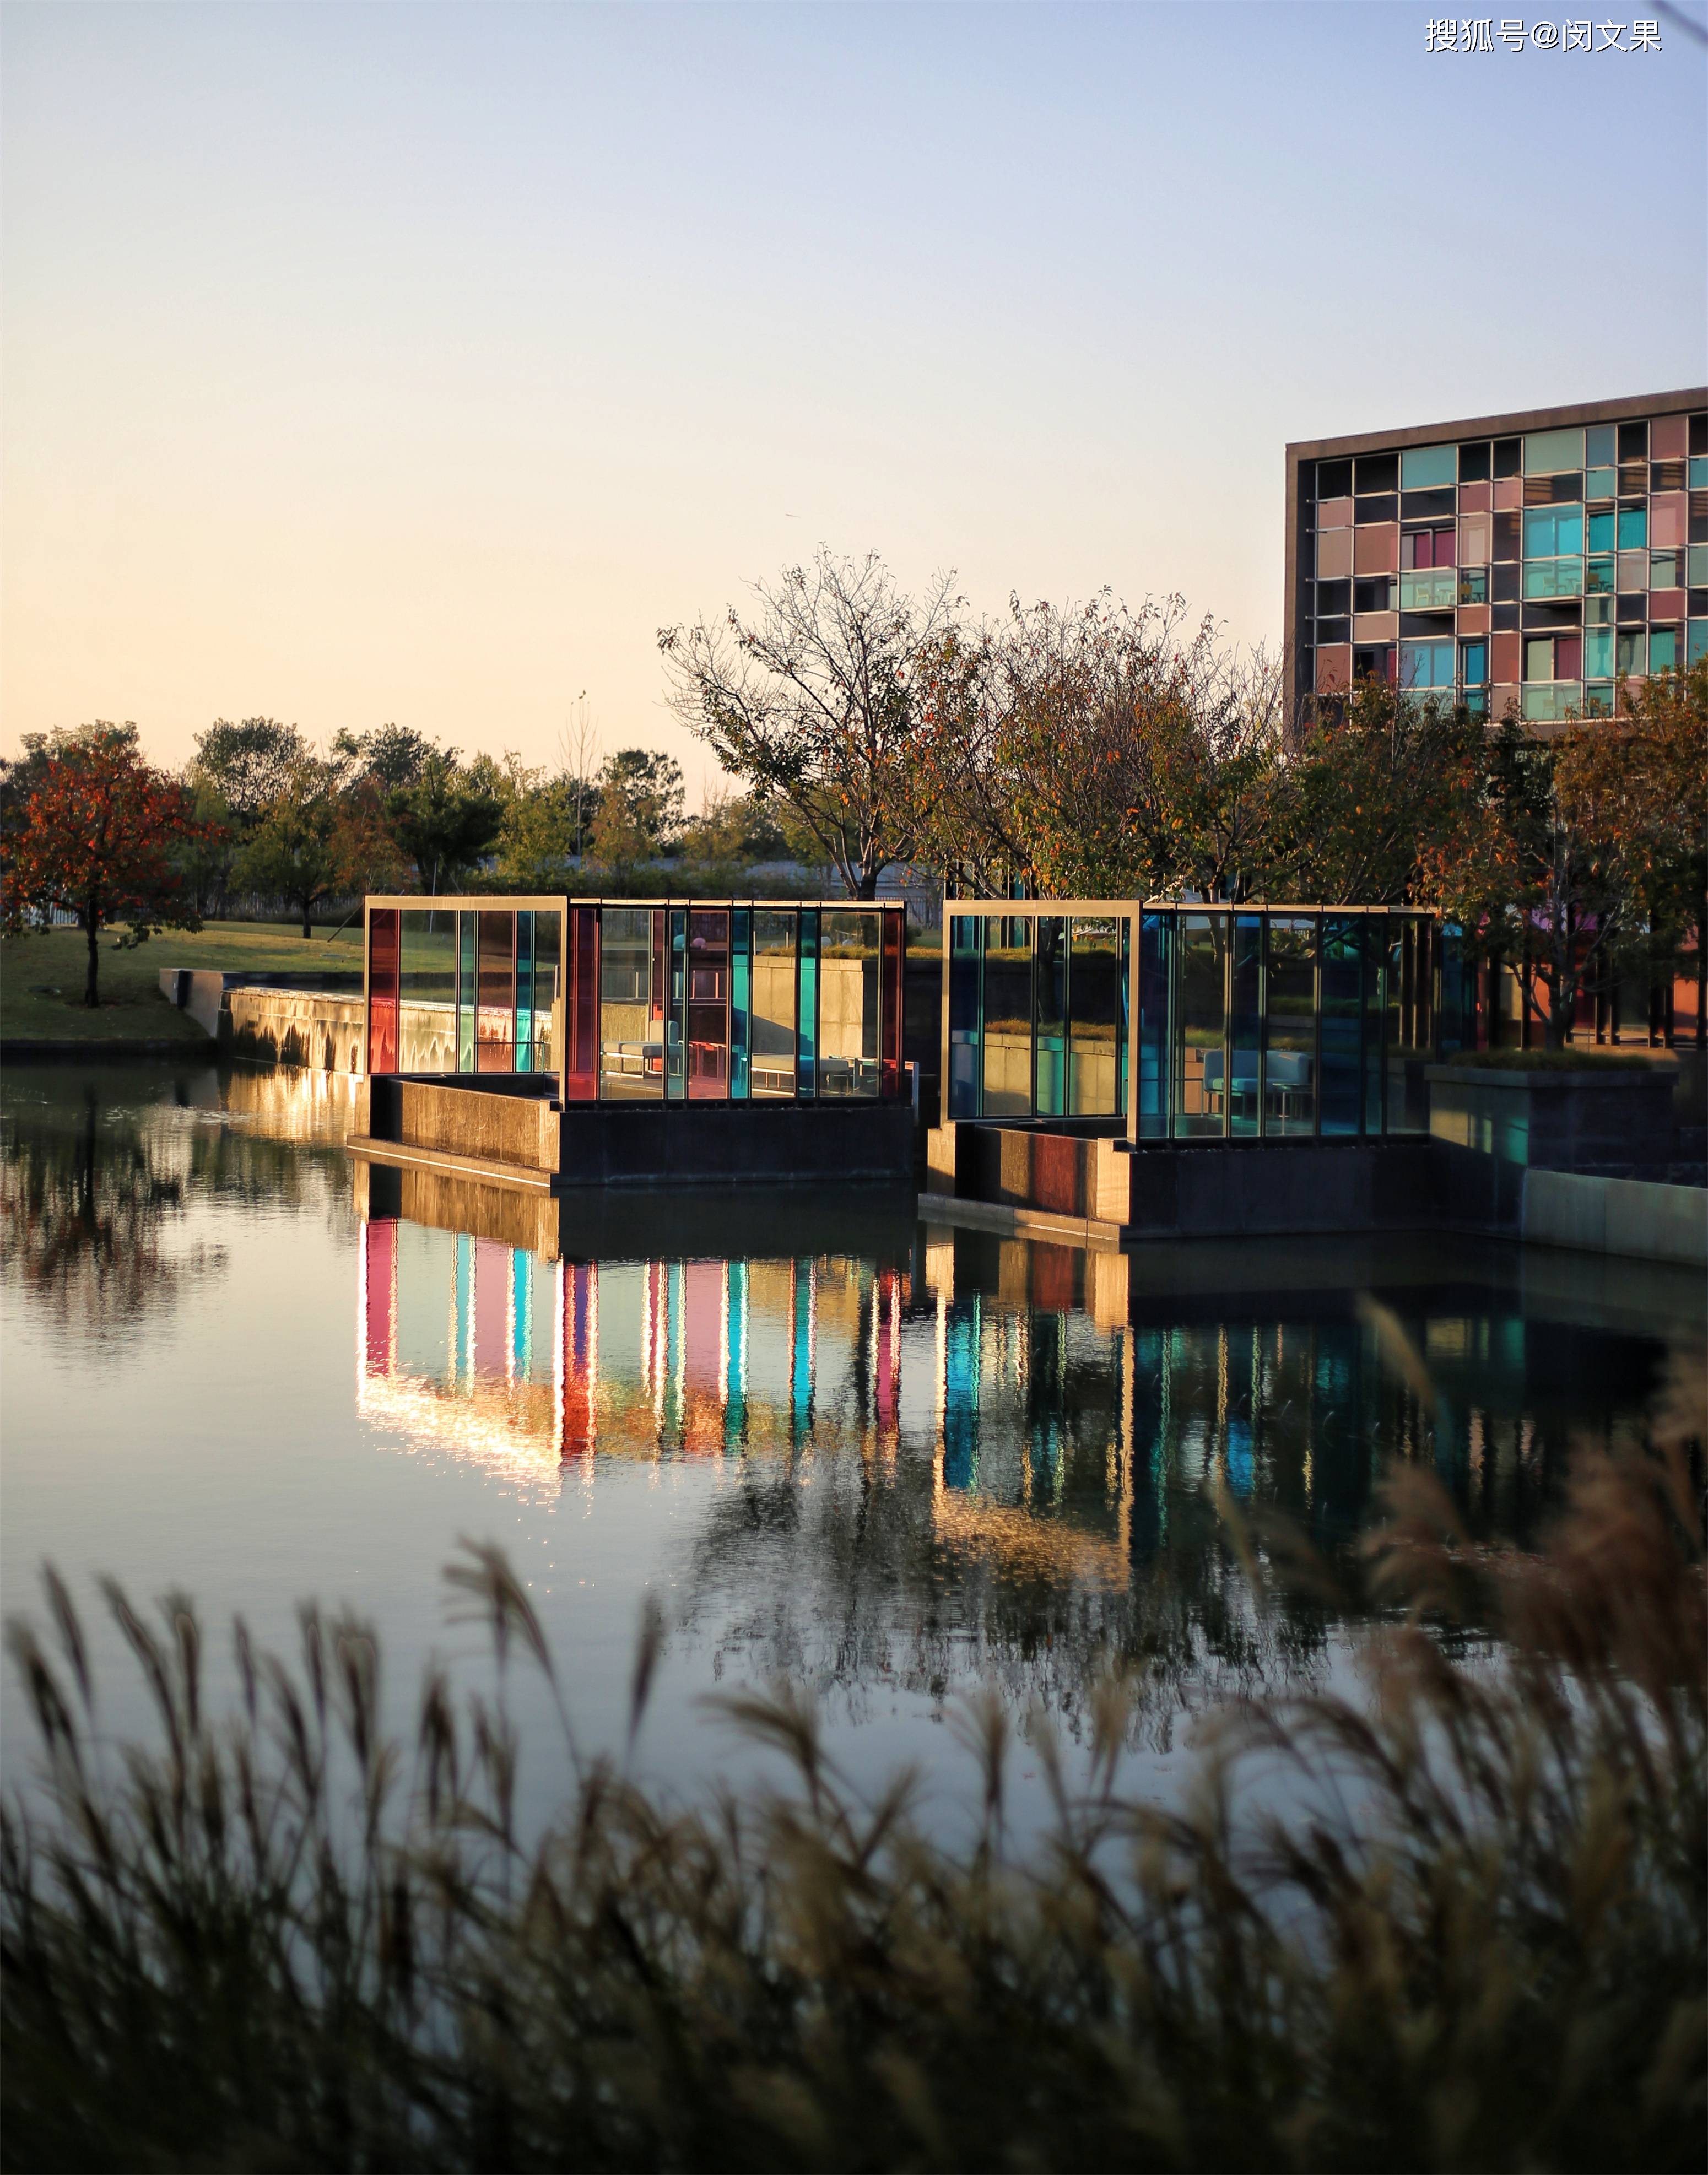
(815, 700)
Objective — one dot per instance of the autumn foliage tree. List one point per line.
(100, 833)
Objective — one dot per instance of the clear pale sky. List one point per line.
(416, 363)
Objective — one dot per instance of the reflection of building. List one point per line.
(1526, 560)
(526, 1362)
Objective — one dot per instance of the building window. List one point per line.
(1334, 478)
(1538, 656)
(1599, 653)
(1375, 594)
(1550, 532)
(1600, 531)
(1698, 644)
(1698, 566)
(1553, 578)
(1631, 650)
(1473, 662)
(1473, 585)
(1663, 649)
(1426, 665)
(1633, 527)
(1634, 441)
(1549, 705)
(1422, 468)
(1375, 664)
(1633, 572)
(1601, 447)
(1665, 570)
(1548, 452)
(1598, 577)
(1598, 483)
(1473, 462)
(1377, 472)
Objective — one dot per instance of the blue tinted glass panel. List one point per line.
(1550, 532)
(1245, 1026)
(1474, 662)
(807, 1020)
(525, 991)
(1155, 934)
(965, 1013)
(1633, 527)
(740, 998)
(1601, 532)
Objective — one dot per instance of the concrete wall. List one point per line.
(1616, 1216)
(1615, 1123)
(295, 1026)
(503, 1128)
(722, 1143)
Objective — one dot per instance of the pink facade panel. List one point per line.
(1334, 555)
(1476, 536)
(1376, 627)
(1666, 519)
(1507, 656)
(1473, 619)
(1668, 437)
(1474, 497)
(1666, 603)
(1335, 513)
(1509, 494)
(1334, 669)
(1377, 550)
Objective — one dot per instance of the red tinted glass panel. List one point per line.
(379, 1294)
(580, 1356)
(385, 958)
(495, 1016)
(1568, 657)
(581, 1027)
(890, 1010)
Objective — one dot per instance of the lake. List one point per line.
(893, 1462)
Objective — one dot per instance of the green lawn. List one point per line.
(42, 978)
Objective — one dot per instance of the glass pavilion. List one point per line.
(641, 1002)
(1172, 1022)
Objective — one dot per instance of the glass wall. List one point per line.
(1252, 1023)
(707, 1002)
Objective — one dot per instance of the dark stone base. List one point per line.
(729, 1144)
(1223, 1192)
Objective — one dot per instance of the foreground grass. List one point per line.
(42, 973)
(276, 1940)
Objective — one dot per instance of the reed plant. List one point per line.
(1454, 1919)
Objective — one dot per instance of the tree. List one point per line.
(1101, 751)
(293, 853)
(1378, 782)
(100, 833)
(443, 821)
(392, 757)
(237, 772)
(640, 808)
(817, 699)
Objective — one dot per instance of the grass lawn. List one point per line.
(42, 978)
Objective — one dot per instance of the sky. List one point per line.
(417, 363)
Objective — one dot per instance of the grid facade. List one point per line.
(1528, 560)
(708, 1001)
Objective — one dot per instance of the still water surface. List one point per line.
(894, 1461)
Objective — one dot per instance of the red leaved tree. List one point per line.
(96, 830)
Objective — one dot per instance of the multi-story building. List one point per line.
(1528, 560)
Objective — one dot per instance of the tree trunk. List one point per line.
(305, 928)
(91, 992)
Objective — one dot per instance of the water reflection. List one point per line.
(939, 1454)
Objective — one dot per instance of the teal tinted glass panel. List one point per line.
(1473, 662)
(1375, 976)
(740, 1000)
(1698, 644)
(1553, 578)
(1426, 468)
(1600, 442)
(1598, 577)
(807, 1023)
(1598, 699)
(1426, 664)
(1201, 1027)
(467, 955)
(1599, 483)
(1434, 590)
(1049, 1039)
(1631, 650)
(966, 1010)
(1633, 527)
(1007, 1052)
(1663, 649)
(1600, 531)
(1156, 945)
(1343, 1008)
(1547, 453)
(1245, 1026)
(1599, 653)
(676, 1014)
(1699, 474)
(1550, 532)
(1697, 556)
(1473, 585)
(1554, 703)
(524, 991)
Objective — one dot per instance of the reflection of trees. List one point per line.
(87, 1199)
